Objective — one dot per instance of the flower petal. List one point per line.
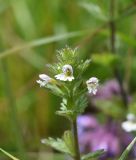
(44, 77)
(92, 85)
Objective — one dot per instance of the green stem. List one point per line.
(75, 134)
(112, 28)
(16, 130)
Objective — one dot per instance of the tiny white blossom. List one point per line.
(67, 74)
(44, 79)
(130, 124)
(92, 85)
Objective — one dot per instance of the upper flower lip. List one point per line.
(67, 73)
(44, 79)
(67, 69)
(92, 80)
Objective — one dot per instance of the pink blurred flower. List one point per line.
(94, 136)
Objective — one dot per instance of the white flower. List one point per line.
(130, 124)
(92, 85)
(67, 74)
(44, 79)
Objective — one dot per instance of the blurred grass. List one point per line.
(30, 33)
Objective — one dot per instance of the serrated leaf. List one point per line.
(84, 65)
(57, 144)
(63, 104)
(67, 56)
(67, 113)
(81, 103)
(95, 10)
(64, 145)
(127, 150)
(69, 141)
(93, 155)
(8, 154)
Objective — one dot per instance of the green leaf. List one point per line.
(83, 66)
(95, 10)
(8, 154)
(127, 150)
(93, 155)
(78, 85)
(55, 90)
(59, 144)
(69, 141)
(81, 104)
(67, 113)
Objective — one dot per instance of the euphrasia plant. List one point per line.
(68, 84)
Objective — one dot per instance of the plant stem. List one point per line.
(112, 27)
(75, 134)
(13, 113)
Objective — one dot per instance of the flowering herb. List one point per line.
(70, 86)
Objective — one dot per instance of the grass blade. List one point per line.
(127, 150)
(8, 154)
(40, 42)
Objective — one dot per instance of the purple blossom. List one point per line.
(94, 136)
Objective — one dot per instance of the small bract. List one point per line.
(67, 74)
(44, 79)
(92, 85)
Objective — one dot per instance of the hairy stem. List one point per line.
(112, 27)
(74, 128)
